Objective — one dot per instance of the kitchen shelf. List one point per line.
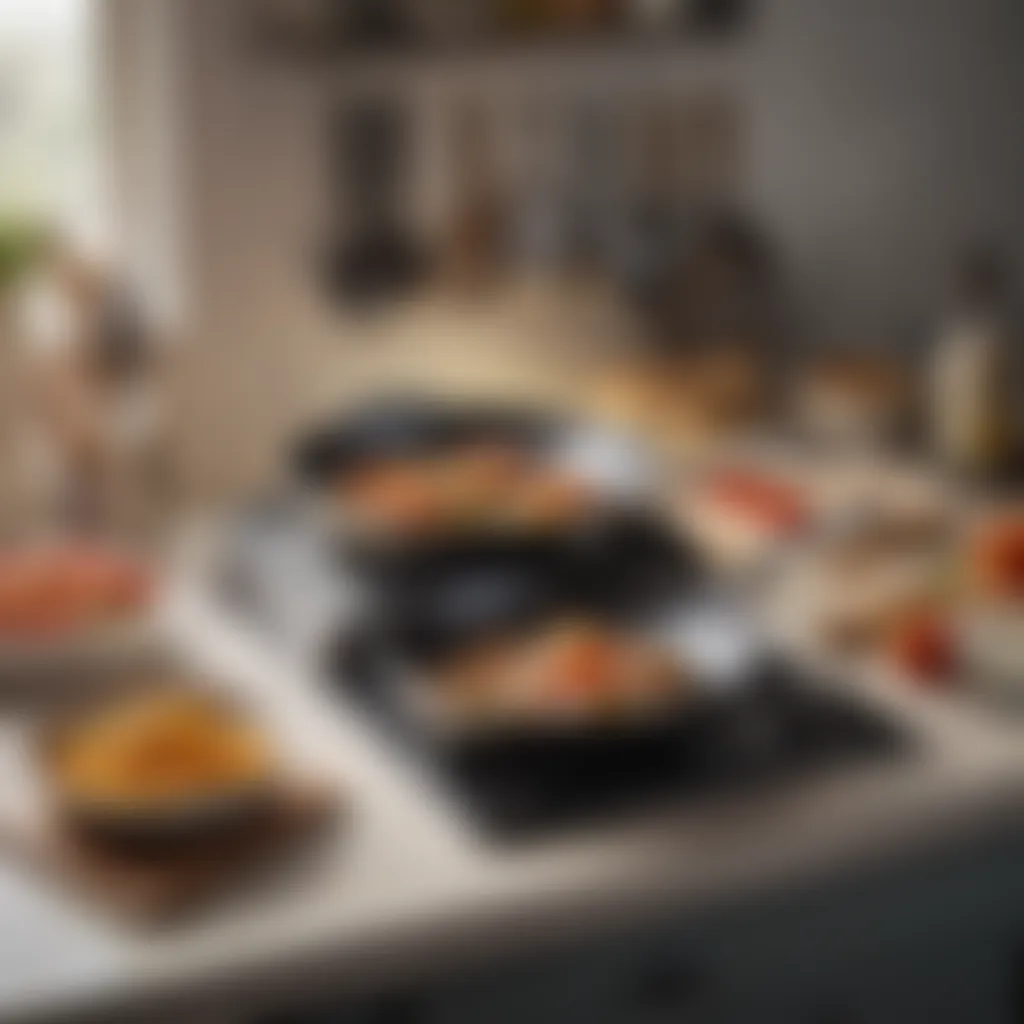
(641, 57)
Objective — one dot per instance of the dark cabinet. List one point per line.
(939, 943)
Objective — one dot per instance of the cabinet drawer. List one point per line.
(936, 943)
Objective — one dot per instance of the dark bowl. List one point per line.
(153, 826)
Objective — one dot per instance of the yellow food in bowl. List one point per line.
(161, 749)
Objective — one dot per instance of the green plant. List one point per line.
(20, 244)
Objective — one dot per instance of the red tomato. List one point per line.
(999, 556)
(924, 647)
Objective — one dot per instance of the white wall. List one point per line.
(886, 132)
(883, 133)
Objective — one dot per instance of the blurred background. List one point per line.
(274, 203)
(761, 260)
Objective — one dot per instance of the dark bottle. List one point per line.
(373, 252)
(972, 374)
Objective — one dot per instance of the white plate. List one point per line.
(72, 659)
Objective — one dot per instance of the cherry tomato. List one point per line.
(999, 556)
(924, 647)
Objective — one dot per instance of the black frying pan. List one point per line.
(407, 427)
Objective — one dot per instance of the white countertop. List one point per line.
(407, 887)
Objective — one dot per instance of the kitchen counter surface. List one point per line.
(407, 888)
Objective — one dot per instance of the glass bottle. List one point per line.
(971, 374)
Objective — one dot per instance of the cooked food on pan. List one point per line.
(51, 592)
(159, 751)
(482, 487)
(571, 672)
